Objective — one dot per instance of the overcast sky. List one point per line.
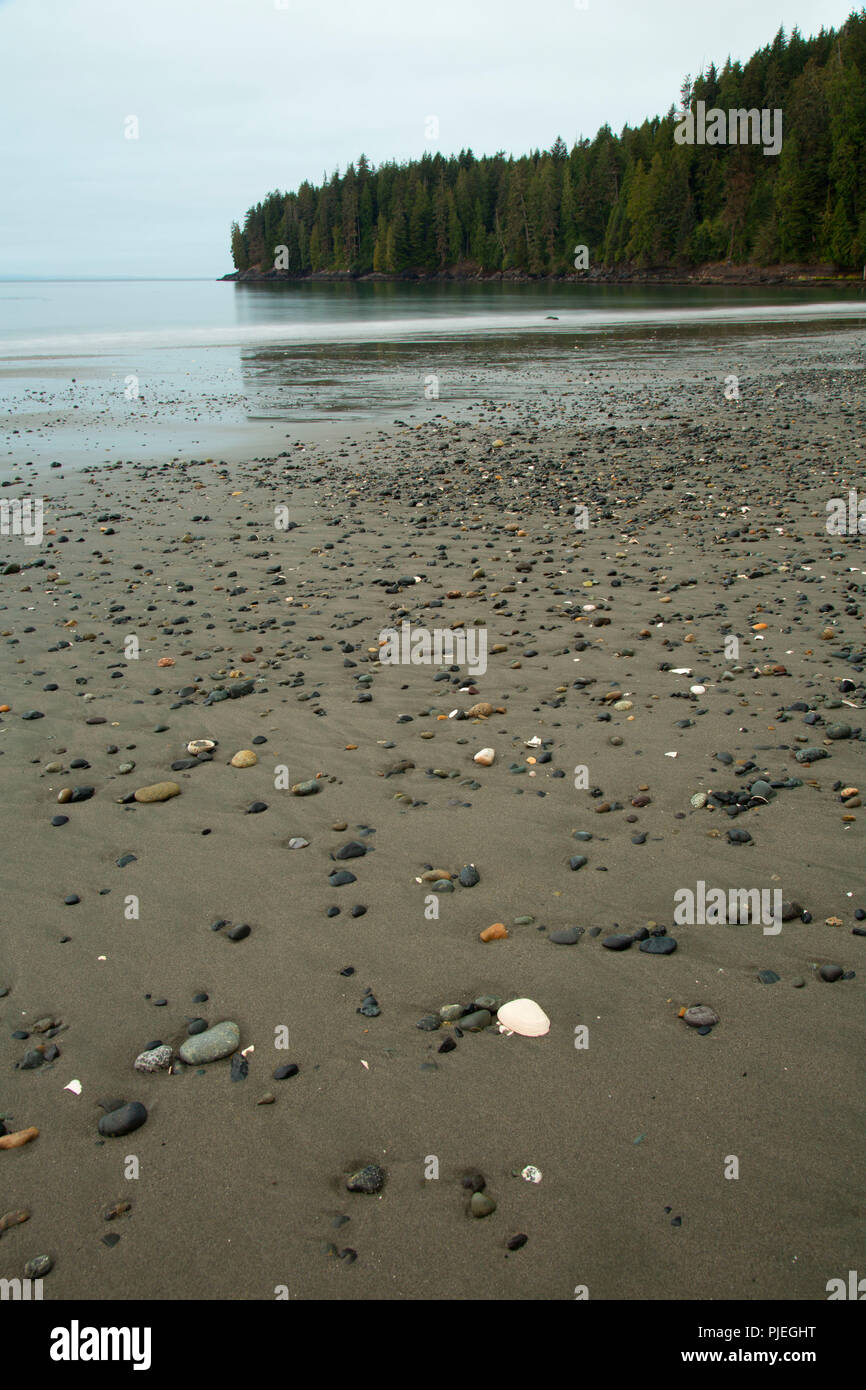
(234, 98)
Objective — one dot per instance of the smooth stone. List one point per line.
(158, 791)
(220, 1041)
(255, 808)
(245, 758)
(577, 861)
(123, 1120)
(353, 850)
(370, 1179)
(156, 1059)
(831, 973)
(478, 1019)
(811, 755)
(469, 876)
(305, 788)
(480, 1204)
(239, 933)
(284, 1072)
(768, 977)
(617, 942)
(837, 731)
(486, 1001)
(429, 1023)
(240, 1068)
(567, 936)
(700, 1016)
(659, 946)
(449, 1013)
(341, 878)
(38, 1267)
(525, 1017)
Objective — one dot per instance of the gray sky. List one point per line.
(237, 97)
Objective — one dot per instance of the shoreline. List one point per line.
(711, 274)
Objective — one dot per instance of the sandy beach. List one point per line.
(262, 578)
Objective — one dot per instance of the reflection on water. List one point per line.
(315, 350)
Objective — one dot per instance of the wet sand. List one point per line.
(706, 521)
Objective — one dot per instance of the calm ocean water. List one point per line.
(315, 350)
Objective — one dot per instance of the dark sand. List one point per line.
(710, 514)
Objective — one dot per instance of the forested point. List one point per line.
(639, 201)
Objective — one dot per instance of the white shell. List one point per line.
(525, 1017)
(698, 689)
(485, 756)
(200, 745)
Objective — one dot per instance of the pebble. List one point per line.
(38, 1267)
(158, 791)
(566, 936)
(659, 946)
(700, 1016)
(480, 1204)
(370, 1179)
(220, 1041)
(123, 1120)
(155, 1059)
(245, 758)
(306, 788)
(476, 1021)
(617, 942)
(496, 932)
(831, 973)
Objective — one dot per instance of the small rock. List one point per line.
(123, 1120)
(156, 1059)
(220, 1041)
(159, 791)
(700, 1016)
(370, 1179)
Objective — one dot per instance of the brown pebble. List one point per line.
(497, 932)
(20, 1137)
(158, 791)
(267, 1099)
(116, 1209)
(13, 1218)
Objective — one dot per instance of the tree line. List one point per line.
(639, 199)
